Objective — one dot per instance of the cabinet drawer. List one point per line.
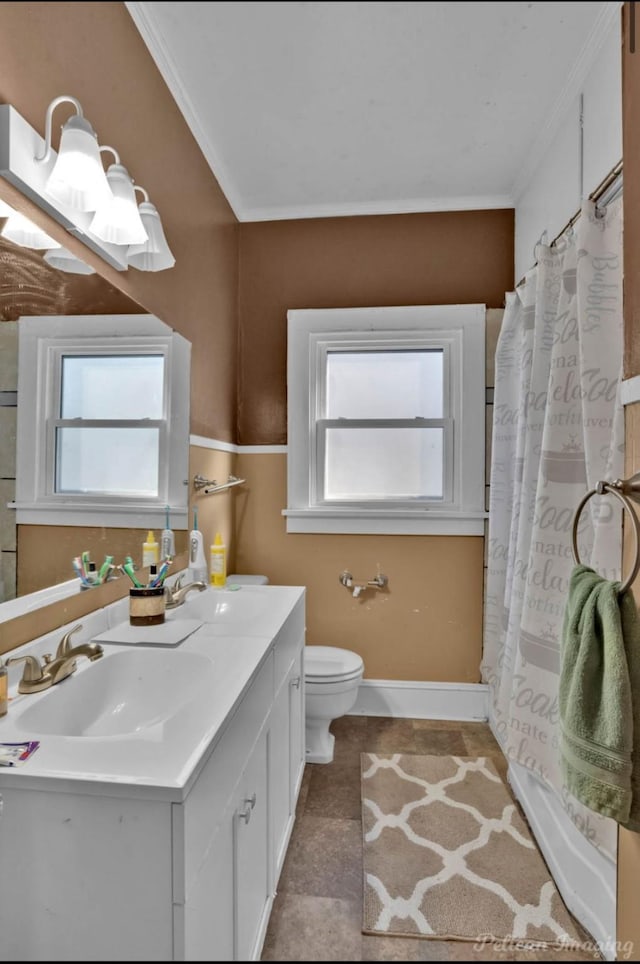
(196, 820)
(289, 641)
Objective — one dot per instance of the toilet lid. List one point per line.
(324, 662)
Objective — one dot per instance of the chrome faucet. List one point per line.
(40, 676)
(176, 595)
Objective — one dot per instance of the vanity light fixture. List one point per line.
(154, 254)
(63, 260)
(118, 219)
(71, 186)
(5, 209)
(22, 231)
(78, 179)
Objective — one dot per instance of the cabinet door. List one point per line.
(286, 760)
(251, 876)
(297, 754)
(209, 931)
(279, 777)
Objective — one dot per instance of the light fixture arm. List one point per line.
(136, 187)
(63, 99)
(107, 147)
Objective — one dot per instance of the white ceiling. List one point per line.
(309, 109)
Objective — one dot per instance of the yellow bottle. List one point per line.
(218, 562)
(4, 679)
(150, 551)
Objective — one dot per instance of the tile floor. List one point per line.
(317, 914)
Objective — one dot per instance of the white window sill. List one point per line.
(99, 514)
(428, 522)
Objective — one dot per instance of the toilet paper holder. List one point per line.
(379, 582)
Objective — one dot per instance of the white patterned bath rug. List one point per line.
(447, 856)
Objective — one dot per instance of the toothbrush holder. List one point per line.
(146, 606)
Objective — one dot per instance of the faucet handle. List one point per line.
(32, 672)
(64, 646)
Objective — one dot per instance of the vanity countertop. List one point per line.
(186, 696)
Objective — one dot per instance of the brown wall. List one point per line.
(629, 843)
(94, 52)
(428, 624)
(457, 257)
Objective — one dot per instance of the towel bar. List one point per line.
(624, 490)
(210, 485)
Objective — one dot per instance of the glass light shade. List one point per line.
(24, 232)
(78, 178)
(155, 254)
(5, 210)
(64, 260)
(118, 221)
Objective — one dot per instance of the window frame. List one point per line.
(459, 330)
(43, 343)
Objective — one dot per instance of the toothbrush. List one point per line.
(127, 567)
(104, 568)
(84, 562)
(167, 540)
(162, 572)
(77, 566)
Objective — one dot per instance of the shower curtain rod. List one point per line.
(607, 191)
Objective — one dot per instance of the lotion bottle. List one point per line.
(218, 559)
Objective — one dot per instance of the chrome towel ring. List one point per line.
(625, 490)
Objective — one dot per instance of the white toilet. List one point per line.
(331, 678)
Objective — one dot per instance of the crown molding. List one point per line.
(165, 64)
(295, 212)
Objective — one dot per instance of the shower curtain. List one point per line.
(557, 430)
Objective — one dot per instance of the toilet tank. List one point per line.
(239, 580)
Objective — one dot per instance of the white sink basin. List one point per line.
(246, 611)
(120, 694)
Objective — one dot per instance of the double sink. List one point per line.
(155, 696)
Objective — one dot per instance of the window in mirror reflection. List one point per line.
(105, 424)
(106, 390)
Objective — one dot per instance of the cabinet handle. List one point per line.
(295, 682)
(250, 803)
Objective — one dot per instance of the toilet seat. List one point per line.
(330, 664)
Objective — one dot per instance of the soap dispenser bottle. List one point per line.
(218, 567)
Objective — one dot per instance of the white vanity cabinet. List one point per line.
(110, 871)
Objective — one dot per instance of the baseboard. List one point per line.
(585, 878)
(421, 700)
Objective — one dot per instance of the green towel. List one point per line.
(600, 697)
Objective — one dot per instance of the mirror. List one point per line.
(30, 286)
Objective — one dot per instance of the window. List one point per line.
(386, 420)
(103, 421)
